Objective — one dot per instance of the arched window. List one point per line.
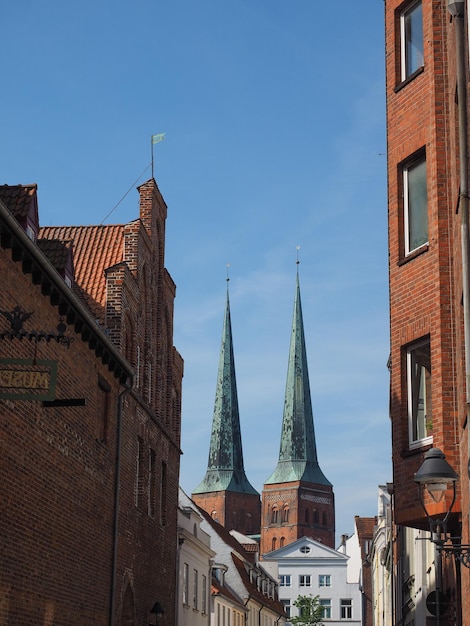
(307, 516)
(315, 516)
(249, 522)
(285, 513)
(281, 543)
(324, 519)
(274, 543)
(274, 515)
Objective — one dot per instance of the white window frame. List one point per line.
(325, 603)
(284, 580)
(346, 608)
(195, 589)
(418, 408)
(405, 42)
(409, 208)
(305, 580)
(324, 580)
(185, 584)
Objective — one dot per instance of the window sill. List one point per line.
(412, 255)
(417, 448)
(410, 78)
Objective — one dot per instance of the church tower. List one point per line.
(297, 499)
(225, 493)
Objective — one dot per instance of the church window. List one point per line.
(274, 515)
(273, 543)
(281, 542)
(315, 516)
(285, 513)
(307, 516)
(324, 519)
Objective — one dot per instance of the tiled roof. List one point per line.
(95, 248)
(274, 605)
(218, 589)
(18, 198)
(57, 251)
(365, 526)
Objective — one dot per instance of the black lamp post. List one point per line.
(155, 613)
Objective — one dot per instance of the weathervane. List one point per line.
(17, 317)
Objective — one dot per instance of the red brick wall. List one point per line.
(307, 505)
(56, 478)
(234, 511)
(426, 291)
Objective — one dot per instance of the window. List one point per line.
(324, 580)
(185, 583)
(274, 515)
(305, 549)
(411, 37)
(326, 608)
(345, 606)
(163, 494)
(195, 589)
(104, 392)
(282, 541)
(284, 580)
(204, 595)
(418, 367)
(304, 580)
(152, 483)
(286, 605)
(285, 513)
(139, 472)
(415, 204)
(274, 543)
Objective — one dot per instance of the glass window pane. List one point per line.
(419, 391)
(412, 33)
(416, 205)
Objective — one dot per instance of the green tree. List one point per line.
(310, 612)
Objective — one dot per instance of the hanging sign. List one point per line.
(25, 379)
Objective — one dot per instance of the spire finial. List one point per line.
(297, 261)
(228, 268)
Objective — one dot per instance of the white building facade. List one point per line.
(194, 567)
(309, 568)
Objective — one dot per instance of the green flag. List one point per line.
(158, 138)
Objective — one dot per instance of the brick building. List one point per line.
(426, 84)
(89, 457)
(297, 499)
(225, 493)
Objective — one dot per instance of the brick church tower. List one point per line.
(225, 493)
(297, 499)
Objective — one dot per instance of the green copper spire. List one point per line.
(298, 452)
(225, 471)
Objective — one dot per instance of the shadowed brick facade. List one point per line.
(89, 482)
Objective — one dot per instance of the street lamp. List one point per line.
(435, 475)
(155, 613)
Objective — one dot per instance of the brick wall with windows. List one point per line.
(59, 463)
(427, 360)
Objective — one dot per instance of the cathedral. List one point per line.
(297, 499)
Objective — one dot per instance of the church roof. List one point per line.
(225, 469)
(298, 454)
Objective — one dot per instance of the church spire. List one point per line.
(225, 470)
(298, 453)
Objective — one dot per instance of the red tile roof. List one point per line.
(58, 252)
(95, 248)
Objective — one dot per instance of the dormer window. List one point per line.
(30, 232)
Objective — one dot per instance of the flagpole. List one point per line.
(151, 148)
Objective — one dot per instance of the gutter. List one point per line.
(75, 308)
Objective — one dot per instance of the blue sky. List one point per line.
(274, 114)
